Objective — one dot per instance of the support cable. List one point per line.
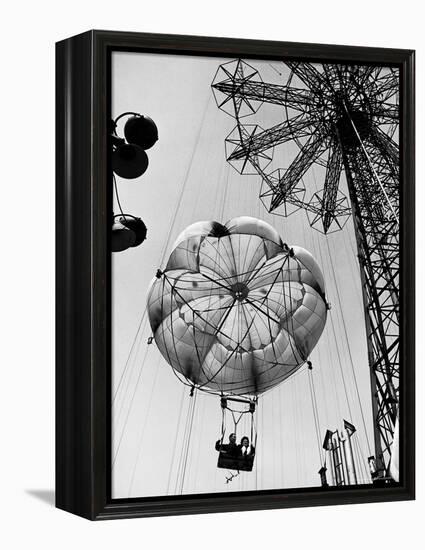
(315, 413)
(349, 351)
(390, 204)
(145, 424)
(191, 415)
(175, 439)
(171, 228)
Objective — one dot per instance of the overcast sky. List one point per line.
(189, 180)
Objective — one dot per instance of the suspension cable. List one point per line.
(191, 415)
(349, 350)
(175, 438)
(315, 412)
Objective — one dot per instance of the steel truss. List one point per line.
(344, 118)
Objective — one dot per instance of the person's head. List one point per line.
(245, 441)
(232, 438)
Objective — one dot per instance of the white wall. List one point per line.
(29, 30)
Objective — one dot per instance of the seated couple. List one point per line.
(244, 449)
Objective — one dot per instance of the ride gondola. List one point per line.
(235, 312)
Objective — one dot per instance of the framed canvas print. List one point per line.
(235, 274)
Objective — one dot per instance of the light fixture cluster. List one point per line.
(130, 161)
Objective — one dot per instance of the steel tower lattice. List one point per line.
(344, 118)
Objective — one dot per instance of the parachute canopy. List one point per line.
(236, 310)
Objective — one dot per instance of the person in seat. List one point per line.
(245, 449)
(230, 449)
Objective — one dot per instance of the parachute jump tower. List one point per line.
(344, 118)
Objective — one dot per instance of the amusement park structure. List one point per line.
(345, 119)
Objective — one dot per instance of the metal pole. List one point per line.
(348, 457)
(337, 456)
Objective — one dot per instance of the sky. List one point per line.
(163, 439)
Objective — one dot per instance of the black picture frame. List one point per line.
(83, 205)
